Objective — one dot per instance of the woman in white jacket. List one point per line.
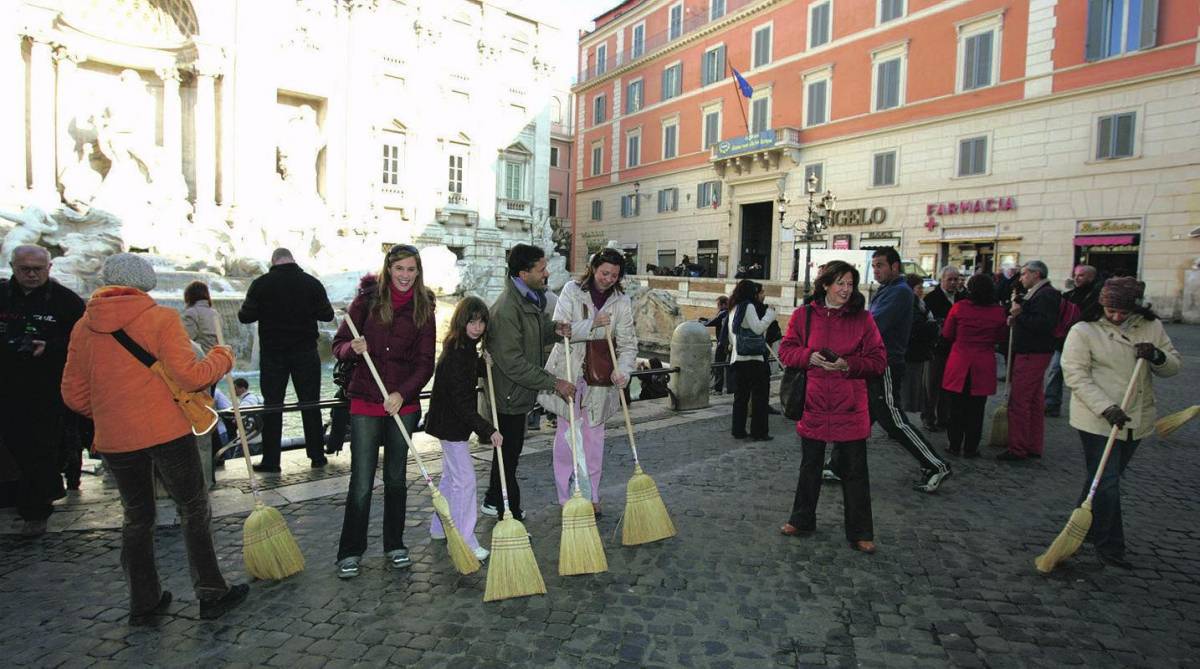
(593, 304)
(1098, 360)
(747, 322)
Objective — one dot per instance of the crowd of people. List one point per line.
(569, 355)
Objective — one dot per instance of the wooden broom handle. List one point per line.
(237, 413)
(612, 351)
(1112, 434)
(496, 424)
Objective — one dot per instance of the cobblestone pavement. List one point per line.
(952, 585)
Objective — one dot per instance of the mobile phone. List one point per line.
(829, 355)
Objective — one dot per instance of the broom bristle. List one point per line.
(460, 554)
(1067, 542)
(512, 569)
(268, 547)
(580, 551)
(999, 436)
(646, 517)
(1168, 424)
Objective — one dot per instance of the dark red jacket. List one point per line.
(973, 331)
(402, 353)
(835, 405)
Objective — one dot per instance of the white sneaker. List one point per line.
(437, 537)
(481, 553)
(488, 510)
(828, 475)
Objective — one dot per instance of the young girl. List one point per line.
(454, 415)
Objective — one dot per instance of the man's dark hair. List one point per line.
(241, 383)
(522, 258)
(981, 290)
(888, 252)
(913, 280)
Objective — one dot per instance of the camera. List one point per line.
(24, 344)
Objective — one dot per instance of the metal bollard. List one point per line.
(691, 352)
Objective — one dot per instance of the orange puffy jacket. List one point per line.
(130, 405)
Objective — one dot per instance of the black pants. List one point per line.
(304, 368)
(856, 488)
(512, 428)
(719, 373)
(33, 433)
(884, 396)
(178, 464)
(937, 401)
(753, 388)
(966, 420)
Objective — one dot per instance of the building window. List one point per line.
(638, 39)
(554, 156)
(596, 209)
(978, 65)
(633, 96)
(598, 105)
(883, 169)
(972, 156)
(670, 142)
(514, 180)
(675, 21)
(392, 152)
(816, 101)
(672, 81)
(597, 158)
(1115, 27)
(666, 258)
(713, 64)
(601, 59)
(1114, 136)
(760, 112)
(556, 110)
(814, 170)
(712, 127)
(457, 159)
(708, 194)
(716, 9)
(668, 200)
(889, 71)
(820, 18)
(890, 10)
(633, 149)
(629, 206)
(553, 207)
(762, 46)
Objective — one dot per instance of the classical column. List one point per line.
(172, 122)
(12, 118)
(66, 63)
(206, 137)
(41, 120)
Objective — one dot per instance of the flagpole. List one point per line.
(739, 96)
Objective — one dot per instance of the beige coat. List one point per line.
(600, 402)
(1097, 362)
(200, 323)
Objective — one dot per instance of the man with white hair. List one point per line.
(1032, 317)
(36, 317)
(936, 414)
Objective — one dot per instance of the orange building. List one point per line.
(963, 132)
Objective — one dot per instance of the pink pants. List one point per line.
(1026, 404)
(592, 447)
(458, 487)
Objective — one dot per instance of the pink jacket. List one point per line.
(974, 330)
(835, 406)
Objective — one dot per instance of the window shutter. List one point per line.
(674, 199)
(719, 72)
(970, 56)
(964, 158)
(983, 59)
(1094, 43)
(1104, 133)
(1123, 143)
(980, 165)
(1149, 24)
(716, 192)
(700, 195)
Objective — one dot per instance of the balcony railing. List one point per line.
(656, 42)
(457, 199)
(765, 140)
(509, 207)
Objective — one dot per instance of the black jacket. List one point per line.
(1033, 328)
(453, 406)
(939, 306)
(1086, 297)
(48, 313)
(287, 303)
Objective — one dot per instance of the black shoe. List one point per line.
(929, 427)
(73, 484)
(954, 451)
(218, 464)
(331, 449)
(151, 617)
(1115, 561)
(317, 464)
(215, 608)
(267, 469)
(765, 437)
(1009, 456)
(772, 411)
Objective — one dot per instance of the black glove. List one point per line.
(1115, 416)
(1149, 352)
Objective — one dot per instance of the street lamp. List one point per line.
(820, 210)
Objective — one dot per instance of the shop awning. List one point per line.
(1104, 240)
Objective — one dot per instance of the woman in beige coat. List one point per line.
(199, 318)
(593, 304)
(1098, 360)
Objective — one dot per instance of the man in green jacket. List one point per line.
(518, 332)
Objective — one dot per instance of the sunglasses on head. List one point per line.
(403, 248)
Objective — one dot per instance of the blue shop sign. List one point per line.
(755, 142)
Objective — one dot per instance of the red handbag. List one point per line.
(597, 361)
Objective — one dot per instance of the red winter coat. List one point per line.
(974, 331)
(835, 404)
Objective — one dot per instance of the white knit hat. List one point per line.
(129, 269)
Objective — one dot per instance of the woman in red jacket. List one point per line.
(394, 315)
(836, 340)
(974, 326)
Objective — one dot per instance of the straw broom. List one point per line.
(999, 434)
(1071, 538)
(646, 518)
(1168, 424)
(580, 550)
(513, 571)
(460, 554)
(268, 547)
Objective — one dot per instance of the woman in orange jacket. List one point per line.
(139, 429)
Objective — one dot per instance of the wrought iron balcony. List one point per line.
(759, 151)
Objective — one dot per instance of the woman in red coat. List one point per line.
(974, 326)
(835, 339)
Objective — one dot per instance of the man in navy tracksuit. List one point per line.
(892, 308)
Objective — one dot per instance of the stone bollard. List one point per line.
(691, 352)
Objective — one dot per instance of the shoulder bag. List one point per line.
(795, 380)
(749, 342)
(597, 362)
(197, 407)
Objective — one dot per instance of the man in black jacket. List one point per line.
(1032, 317)
(1085, 295)
(36, 319)
(936, 414)
(287, 303)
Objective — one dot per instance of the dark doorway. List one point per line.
(757, 222)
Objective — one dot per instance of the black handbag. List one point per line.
(748, 342)
(795, 381)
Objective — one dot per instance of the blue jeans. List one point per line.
(1054, 387)
(367, 433)
(1108, 530)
